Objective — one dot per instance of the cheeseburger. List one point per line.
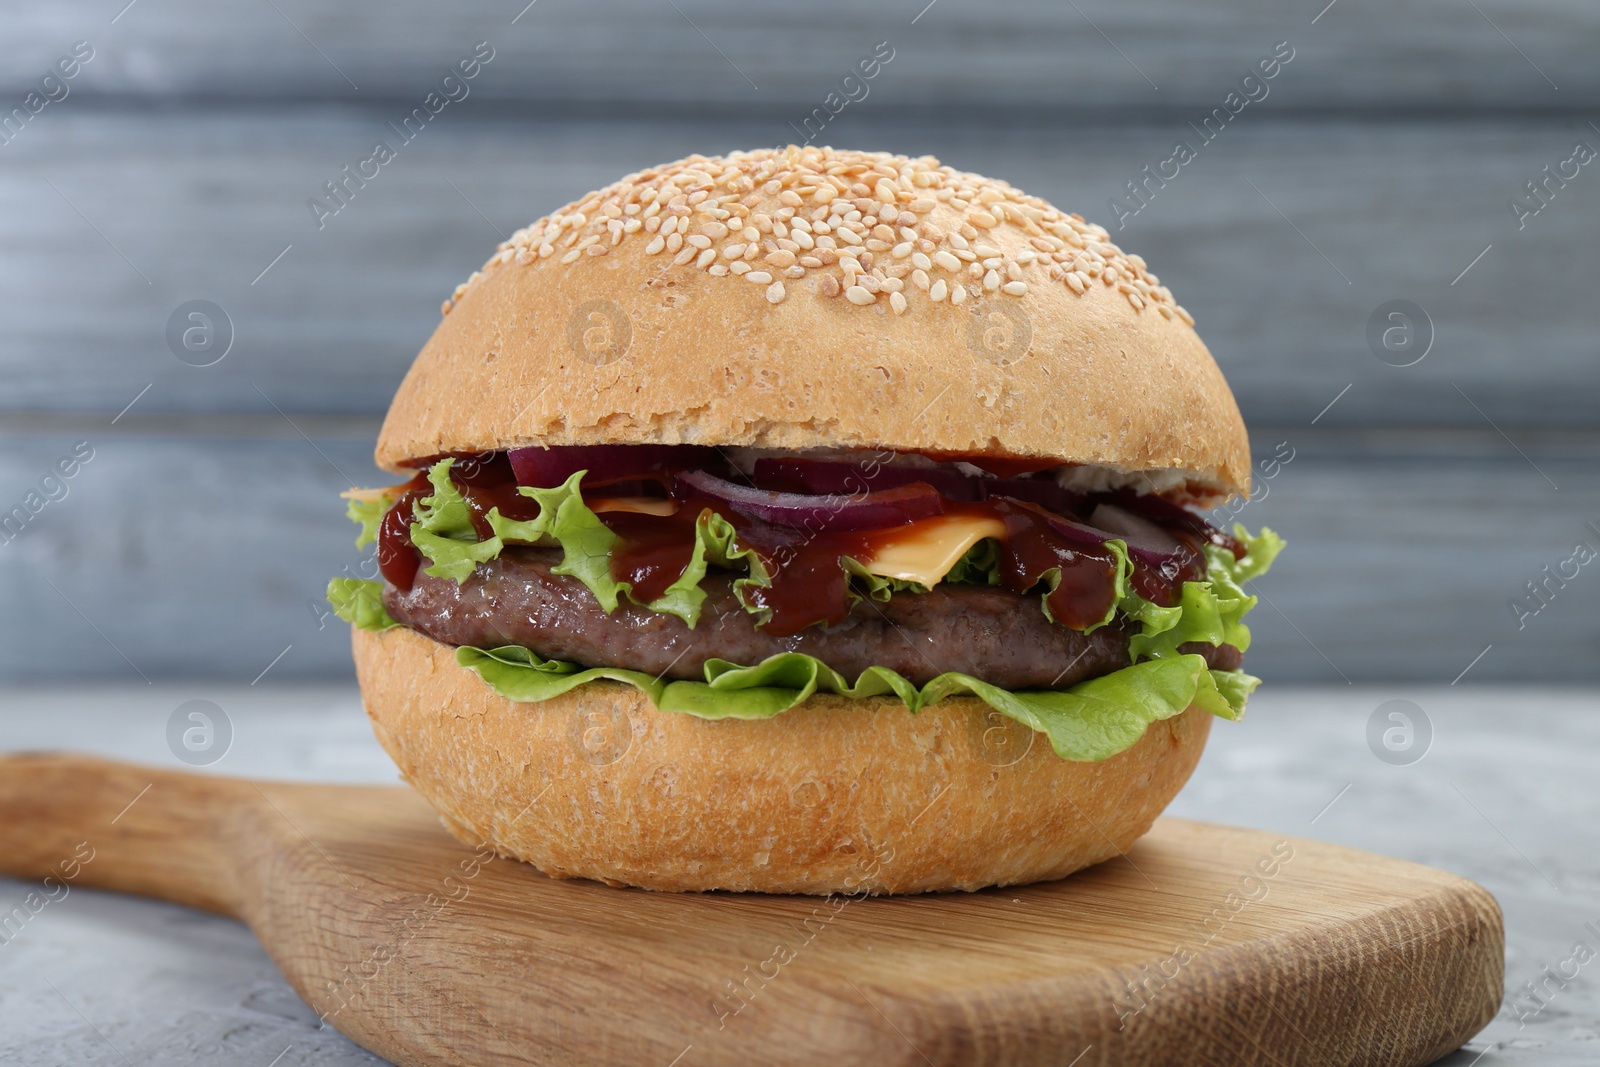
(806, 521)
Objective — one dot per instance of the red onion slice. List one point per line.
(1043, 492)
(828, 512)
(1145, 540)
(1175, 516)
(545, 468)
(1078, 533)
(835, 476)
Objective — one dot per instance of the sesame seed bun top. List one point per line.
(814, 298)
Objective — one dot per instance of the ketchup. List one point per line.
(398, 558)
(1088, 587)
(654, 549)
(808, 584)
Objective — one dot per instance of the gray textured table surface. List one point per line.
(1504, 795)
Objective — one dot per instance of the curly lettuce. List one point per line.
(359, 602)
(1212, 610)
(443, 532)
(1087, 722)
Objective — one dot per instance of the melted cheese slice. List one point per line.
(929, 548)
(637, 505)
(367, 496)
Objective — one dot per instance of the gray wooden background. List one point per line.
(1380, 166)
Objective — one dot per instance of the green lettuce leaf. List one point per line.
(1212, 610)
(360, 603)
(443, 530)
(367, 514)
(863, 583)
(1090, 721)
(980, 566)
(444, 533)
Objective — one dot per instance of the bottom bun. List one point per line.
(837, 795)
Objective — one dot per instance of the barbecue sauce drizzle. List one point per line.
(808, 583)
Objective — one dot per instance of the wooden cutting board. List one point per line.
(1206, 945)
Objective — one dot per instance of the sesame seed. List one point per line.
(937, 291)
(788, 210)
(897, 301)
(775, 293)
(760, 277)
(706, 257)
(858, 295)
(830, 285)
(718, 270)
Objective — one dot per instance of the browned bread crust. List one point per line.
(837, 795)
(1071, 350)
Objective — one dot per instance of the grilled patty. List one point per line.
(993, 634)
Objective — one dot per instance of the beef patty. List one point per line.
(993, 634)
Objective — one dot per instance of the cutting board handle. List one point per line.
(81, 821)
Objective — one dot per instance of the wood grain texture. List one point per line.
(405, 941)
(1095, 54)
(204, 201)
